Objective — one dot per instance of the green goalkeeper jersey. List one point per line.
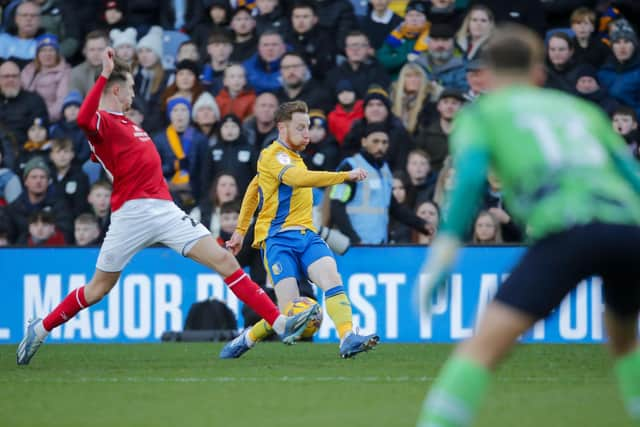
(559, 162)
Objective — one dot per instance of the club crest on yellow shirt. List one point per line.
(283, 158)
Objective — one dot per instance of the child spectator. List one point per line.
(245, 41)
(229, 212)
(205, 115)
(235, 97)
(67, 128)
(10, 186)
(86, 230)
(347, 110)
(232, 153)
(219, 49)
(422, 180)
(429, 211)
(588, 47)
(625, 124)
(180, 147)
(43, 232)
(69, 182)
(223, 189)
(124, 43)
(486, 229)
(37, 144)
(188, 50)
(100, 202)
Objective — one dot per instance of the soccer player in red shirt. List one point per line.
(143, 214)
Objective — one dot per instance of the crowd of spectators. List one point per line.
(383, 79)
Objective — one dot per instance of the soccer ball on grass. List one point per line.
(301, 304)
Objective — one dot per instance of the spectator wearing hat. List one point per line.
(10, 185)
(48, 75)
(361, 210)
(18, 107)
(434, 138)
(181, 147)
(588, 87)
(263, 68)
(270, 14)
(476, 79)
(151, 79)
(36, 197)
(336, 17)
(407, 40)
(216, 17)
(379, 22)
(20, 44)
(205, 115)
(185, 85)
(232, 153)
(219, 49)
(440, 61)
(588, 47)
(43, 231)
(306, 39)
(112, 16)
(347, 110)
(236, 97)
(560, 63)
(361, 69)
(620, 75)
(84, 75)
(245, 42)
(260, 129)
(124, 43)
(476, 28)
(69, 182)
(323, 152)
(67, 127)
(59, 17)
(377, 110)
(298, 84)
(37, 143)
(445, 12)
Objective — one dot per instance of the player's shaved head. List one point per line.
(513, 49)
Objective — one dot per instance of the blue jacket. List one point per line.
(622, 80)
(261, 76)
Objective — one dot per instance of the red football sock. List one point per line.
(69, 307)
(251, 294)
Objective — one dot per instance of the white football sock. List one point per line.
(280, 324)
(40, 331)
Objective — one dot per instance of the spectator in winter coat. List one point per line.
(217, 16)
(219, 49)
(245, 40)
(270, 15)
(322, 153)
(560, 64)
(445, 12)
(67, 128)
(48, 75)
(475, 31)
(84, 75)
(263, 68)
(297, 84)
(59, 17)
(336, 17)
(620, 75)
(43, 231)
(21, 46)
(588, 48)
(347, 110)
(205, 116)
(236, 97)
(379, 22)
(588, 87)
(69, 182)
(409, 93)
(124, 43)
(260, 130)
(186, 84)
(440, 61)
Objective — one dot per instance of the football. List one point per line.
(301, 304)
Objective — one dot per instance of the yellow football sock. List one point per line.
(260, 331)
(339, 309)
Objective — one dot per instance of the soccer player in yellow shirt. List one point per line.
(285, 234)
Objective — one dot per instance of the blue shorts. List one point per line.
(290, 253)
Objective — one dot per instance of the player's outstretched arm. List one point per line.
(87, 118)
(299, 177)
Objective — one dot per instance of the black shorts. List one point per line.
(555, 265)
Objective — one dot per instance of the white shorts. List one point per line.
(143, 222)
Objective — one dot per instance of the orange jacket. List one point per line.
(241, 105)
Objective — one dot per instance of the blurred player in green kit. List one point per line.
(570, 179)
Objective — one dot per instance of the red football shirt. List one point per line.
(125, 151)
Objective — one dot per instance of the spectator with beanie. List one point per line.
(347, 110)
(124, 43)
(361, 209)
(18, 107)
(440, 61)
(377, 110)
(361, 69)
(298, 85)
(379, 22)
(112, 16)
(48, 75)
(232, 153)
(43, 231)
(36, 197)
(407, 40)
(236, 97)
(588, 87)
(620, 75)
(150, 79)
(67, 127)
(37, 143)
(84, 75)
(322, 153)
(181, 147)
(205, 116)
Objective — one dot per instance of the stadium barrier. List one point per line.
(158, 287)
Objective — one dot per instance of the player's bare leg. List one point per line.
(37, 330)
(456, 395)
(324, 273)
(623, 344)
(286, 291)
(206, 251)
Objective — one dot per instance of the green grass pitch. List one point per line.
(183, 384)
